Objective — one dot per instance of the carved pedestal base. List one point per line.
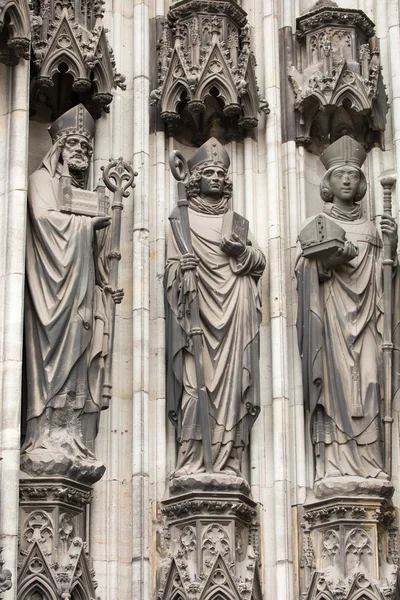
(349, 549)
(209, 547)
(54, 562)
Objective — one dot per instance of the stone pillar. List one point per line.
(13, 190)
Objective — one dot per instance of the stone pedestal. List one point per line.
(54, 559)
(209, 547)
(349, 549)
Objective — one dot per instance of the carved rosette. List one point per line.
(337, 82)
(71, 52)
(349, 547)
(209, 545)
(206, 72)
(54, 558)
(15, 31)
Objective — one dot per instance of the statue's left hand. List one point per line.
(117, 295)
(389, 228)
(233, 246)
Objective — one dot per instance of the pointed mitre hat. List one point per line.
(345, 151)
(76, 121)
(211, 153)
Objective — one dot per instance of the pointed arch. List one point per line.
(19, 15)
(220, 593)
(78, 592)
(359, 101)
(36, 584)
(173, 95)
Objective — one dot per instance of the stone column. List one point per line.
(13, 190)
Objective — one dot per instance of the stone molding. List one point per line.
(206, 72)
(15, 31)
(209, 544)
(337, 84)
(72, 44)
(54, 557)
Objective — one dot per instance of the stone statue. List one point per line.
(340, 321)
(67, 309)
(228, 265)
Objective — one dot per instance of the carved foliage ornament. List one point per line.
(69, 41)
(206, 72)
(14, 31)
(338, 89)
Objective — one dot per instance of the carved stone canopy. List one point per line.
(14, 31)
(206, 72)
(337, 82)
(72, 59)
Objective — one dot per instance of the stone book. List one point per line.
(235, 223)
(321, 236)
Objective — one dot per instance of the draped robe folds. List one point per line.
(340, 322)
(66, 321)
(230, 313)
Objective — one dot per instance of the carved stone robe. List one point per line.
(230, 312)
(66, 322)
(340, 323)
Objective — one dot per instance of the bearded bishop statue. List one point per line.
(67, 309)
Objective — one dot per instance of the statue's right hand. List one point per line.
(100, 222)
(341, 256)
(188, 262)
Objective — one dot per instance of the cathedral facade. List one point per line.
(200, 299)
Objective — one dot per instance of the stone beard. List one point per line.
(230, 313)
(66, 321)
(340, 324)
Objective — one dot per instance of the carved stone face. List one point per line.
(76, 152)
(212, 182)
(344, 182)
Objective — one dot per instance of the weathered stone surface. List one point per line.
(208, 482)
(353, 486)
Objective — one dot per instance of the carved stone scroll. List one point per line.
(15, 31)
(54, 558)
(72, 59)
(336, 81)
(206, 72)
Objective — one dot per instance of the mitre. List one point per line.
(211, 153)
(344, 151)
(76, 121)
